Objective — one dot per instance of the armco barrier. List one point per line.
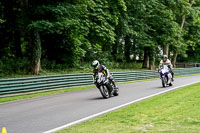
(15, 86)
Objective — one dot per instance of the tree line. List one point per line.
(74, 31)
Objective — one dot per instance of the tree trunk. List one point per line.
(181, 26)
(127, 48)
(166, 49)
(146, 58)
(152, 59)
(36, 52)
(35, 69)
(183, 20)
(174, 59)
(152, 64)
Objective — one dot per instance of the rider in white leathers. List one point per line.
(167, 62)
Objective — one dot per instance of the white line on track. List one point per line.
(115, 108)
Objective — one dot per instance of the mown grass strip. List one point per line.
(177, 111)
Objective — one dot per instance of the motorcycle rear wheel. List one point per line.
(116, 92)
(170, 84)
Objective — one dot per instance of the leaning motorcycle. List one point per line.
(166, 76)
(105, 86)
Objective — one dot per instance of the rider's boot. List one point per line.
(115, 87)
(172, 76)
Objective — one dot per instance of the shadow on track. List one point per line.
(160, 87)
(97, 98)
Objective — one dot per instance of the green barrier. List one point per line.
(14, 86)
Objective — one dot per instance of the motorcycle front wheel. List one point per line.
(104, 91)
(164, 83)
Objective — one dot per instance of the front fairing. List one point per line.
(100, 78)
(164, 71)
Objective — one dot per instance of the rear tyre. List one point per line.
(171, 83)
(104, 91)
(116, 92)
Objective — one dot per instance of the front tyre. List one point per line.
(164, 84)
(104, 91)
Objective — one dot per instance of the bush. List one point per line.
(10, 66)
(123, 65)
(19, 67)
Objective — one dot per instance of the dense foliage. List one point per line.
(72, 32)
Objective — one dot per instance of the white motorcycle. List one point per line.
(166, 76)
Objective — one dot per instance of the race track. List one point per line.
(45, 113)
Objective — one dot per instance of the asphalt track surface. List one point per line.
(42, 114)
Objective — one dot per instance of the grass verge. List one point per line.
(177, 111)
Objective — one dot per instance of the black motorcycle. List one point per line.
(105, 86)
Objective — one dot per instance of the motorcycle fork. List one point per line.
(167, 79)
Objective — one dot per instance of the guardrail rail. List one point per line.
(15, 86)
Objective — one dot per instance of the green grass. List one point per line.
(177, 111)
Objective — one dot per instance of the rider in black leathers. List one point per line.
(101, 68)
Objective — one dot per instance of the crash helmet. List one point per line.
(164, 57)
(95, 64)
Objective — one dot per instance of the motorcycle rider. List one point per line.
(101, 68)
(167, 62)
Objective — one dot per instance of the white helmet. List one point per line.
(164, 57)
(95, 64)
